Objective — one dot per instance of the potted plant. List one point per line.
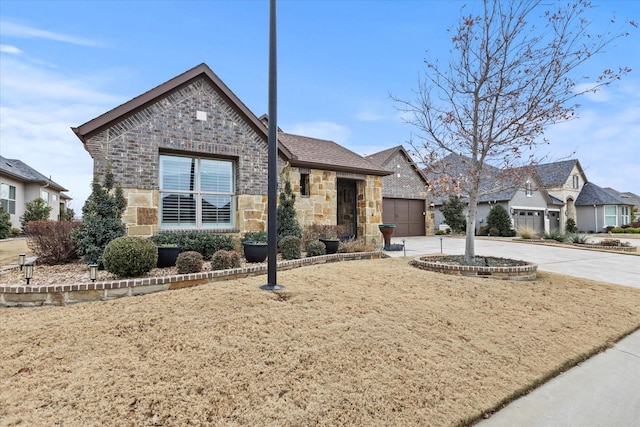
(331, 244)
(254, 246)
(168, 255)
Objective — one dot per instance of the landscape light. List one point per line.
(28, 272)
(93, 272)
(21, 260)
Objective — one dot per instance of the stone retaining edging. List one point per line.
(521, 272)
(29, 296)
(577, 245)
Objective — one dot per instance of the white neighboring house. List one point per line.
(20, 184)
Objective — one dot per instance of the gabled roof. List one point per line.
(591, 194)
(557, 173)
(382, 159)
(323, 154)
(25, 173)
(90, 128)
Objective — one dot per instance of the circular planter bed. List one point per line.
(496, 268)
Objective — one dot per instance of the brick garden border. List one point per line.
(549, 242)
(29, 296)
(521, 272)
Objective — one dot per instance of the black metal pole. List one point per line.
(272, 194)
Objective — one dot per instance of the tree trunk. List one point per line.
(469, 246)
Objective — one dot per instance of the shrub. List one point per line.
(357, 245)
(224, 260)
(5, 223)
(556, 235)
(15, 231)
(527, 232)
(255, 237)
(287, 221)
(499, 220)
(440, 232)
(616, 230)
(35, 210)
(452, 210)
(101, 219)
(130, 256)
(580, 239)
(205, 243)
(570, 226)
(290, 247)
(316, 248)
(483, 231)
(322, 231)
(189, 262)
(52, 241)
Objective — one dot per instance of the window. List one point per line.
(44, 195)
(576, 181)
(624, 215)
(196, 192)
(527, 189)
(8, 197)
(610, 216)
(304, 184)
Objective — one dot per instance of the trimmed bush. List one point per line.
(255, 237)
(205, 243)
(130, 256)
(570, 226)
(35, 210)
(52, 241)
(453, 211)
(189, 262)
(5, 223)
(316, 248)
(556, 235)
(499, 222)
(290, 247)
(287, 220)
(224, 260)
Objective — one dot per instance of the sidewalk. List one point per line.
(602, 391)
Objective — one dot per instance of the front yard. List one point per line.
(350, 343)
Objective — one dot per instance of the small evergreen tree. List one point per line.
(101, 218)
(5, 223)
(67, 214)
(570, 226)
(35, 210)
(452, 209)
(499, 219)
(288, 224)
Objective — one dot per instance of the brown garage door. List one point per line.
(406, 214)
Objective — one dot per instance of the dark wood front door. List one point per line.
(346, 207)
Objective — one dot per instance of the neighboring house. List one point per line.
(631, 198)
(597, 209)
(564, 181)
(404, 193)
(190, 155)
(20, 184)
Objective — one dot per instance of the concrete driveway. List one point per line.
(602, 391)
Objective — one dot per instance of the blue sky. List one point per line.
(63, 63)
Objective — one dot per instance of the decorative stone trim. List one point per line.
(577, 245)
(25, 296)
(521, 272)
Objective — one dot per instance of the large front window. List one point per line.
(610, 216)
(196, 192)
(625, 214)
(8, 197)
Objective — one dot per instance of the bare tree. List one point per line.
(507, 80)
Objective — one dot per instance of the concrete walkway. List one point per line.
(602, 391)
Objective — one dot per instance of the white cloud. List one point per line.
(5, 48)
(321, 130)
(600, 95)
(8, 28)
(370, 116)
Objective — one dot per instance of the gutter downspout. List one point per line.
(595, 214)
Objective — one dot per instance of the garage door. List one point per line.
(406, 214)
(530, 219)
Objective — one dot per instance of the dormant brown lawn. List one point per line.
(351, 343)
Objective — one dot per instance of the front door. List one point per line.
(346, 207)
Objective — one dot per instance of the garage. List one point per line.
(529, 219)
(407, 214)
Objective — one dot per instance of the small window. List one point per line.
(576, 181)
(8, 198)
(304, 184)
(44, 195)
(527, 190)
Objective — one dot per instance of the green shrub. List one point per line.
(580, 239)
(556, 235)
(316, 248)
(616, 230)
(5, 223)
(35, 210)
(189, 262)
(290, 247)
(15, 231)
(287, 221)
(255, 237)
(101, 219)
(499, 222)
(224, 260)
(205, 243)
(453, 211)
(52, 241)
(130, 256)
(442, 232)
(570, 226)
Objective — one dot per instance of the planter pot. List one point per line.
(167, 256)
(331, 245)
(387, 230)
(255, 252)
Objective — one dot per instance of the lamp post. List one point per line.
(440, 244)
(21, 260)
(93, 272)
(28, 272)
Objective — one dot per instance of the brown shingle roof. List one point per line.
(382, 158)
(323, 154)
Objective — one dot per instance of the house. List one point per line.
(597, 209)
(190, 155)
(631, 198)
(563, 180)
(20, 184)
(404, 193)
